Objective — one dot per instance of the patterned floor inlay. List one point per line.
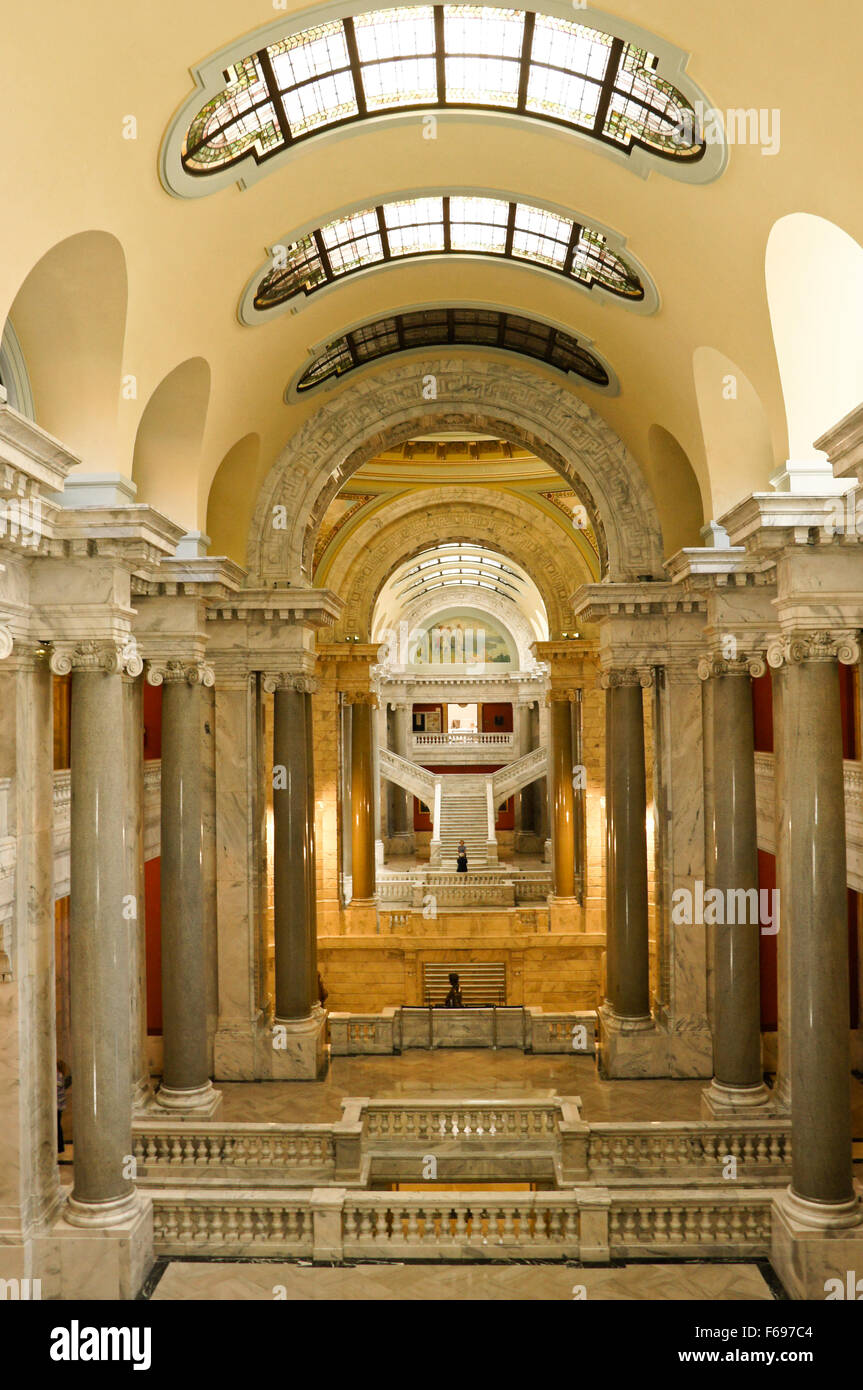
(229, 1282)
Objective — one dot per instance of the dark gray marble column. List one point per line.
(185, 1066)
(811, 824)
(626, 811)
(133, 690)
(732, 868)
(100, 980)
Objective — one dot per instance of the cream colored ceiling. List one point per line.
(174, 271)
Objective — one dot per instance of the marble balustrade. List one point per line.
(337, 1224)
(543, 1140)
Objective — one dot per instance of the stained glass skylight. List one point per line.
(424, 328)
(451, 225)
(439, 56)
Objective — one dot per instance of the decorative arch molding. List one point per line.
(507, 400)
(375, 549)
(504, 611)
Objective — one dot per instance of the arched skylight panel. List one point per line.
(447, 224)
(426, 328)
(461, 56)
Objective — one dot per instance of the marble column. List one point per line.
(732, 869)
(186, 1085)
(401, 822)
(782, 1084)
(298, 1049)
(626, 811)
(293, 867)
(362, 803)
(345, 784)
(133, 696)
(29, 1189)
(103, 1192)
(562, 800)
(811, 823)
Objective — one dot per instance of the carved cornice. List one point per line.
(105, 654)
(289, 680)
(563, 695)
(174, 672)
(795, 647)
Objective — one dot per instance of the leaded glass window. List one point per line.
(424, 328)
(453, 224)
(438, 56)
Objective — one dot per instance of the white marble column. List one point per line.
(811, 822)
(29, 1189)
(186, 1084)
(401, 803)
(561, 797)
(100, 982)
(241, 764)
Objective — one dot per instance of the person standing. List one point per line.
(461, 858)
(64, 1081)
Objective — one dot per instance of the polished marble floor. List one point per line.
(452, 1074)
(241, 1280)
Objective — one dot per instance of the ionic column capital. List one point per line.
(626, 675)
(112, 655)
(360, 697)
(288, 680)
(795, 647)
(194, 672)
(562, 694)
(747, 664)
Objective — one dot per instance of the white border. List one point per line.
(252, 317)
(291, 395)
(208, 76)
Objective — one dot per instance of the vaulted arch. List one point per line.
(168, 442)
(506, 400)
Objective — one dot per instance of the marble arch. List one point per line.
(375, 549)
(511, 401)
(503, 610)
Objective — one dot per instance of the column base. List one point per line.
(361, 917)
(719, 1102)
(202, 1102)
(491, 852)
(236, 1047)
(105, 1262)
(564, 914)
(637, 1047)
(299, 1053)
(816, 1248)
(114, 1212)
